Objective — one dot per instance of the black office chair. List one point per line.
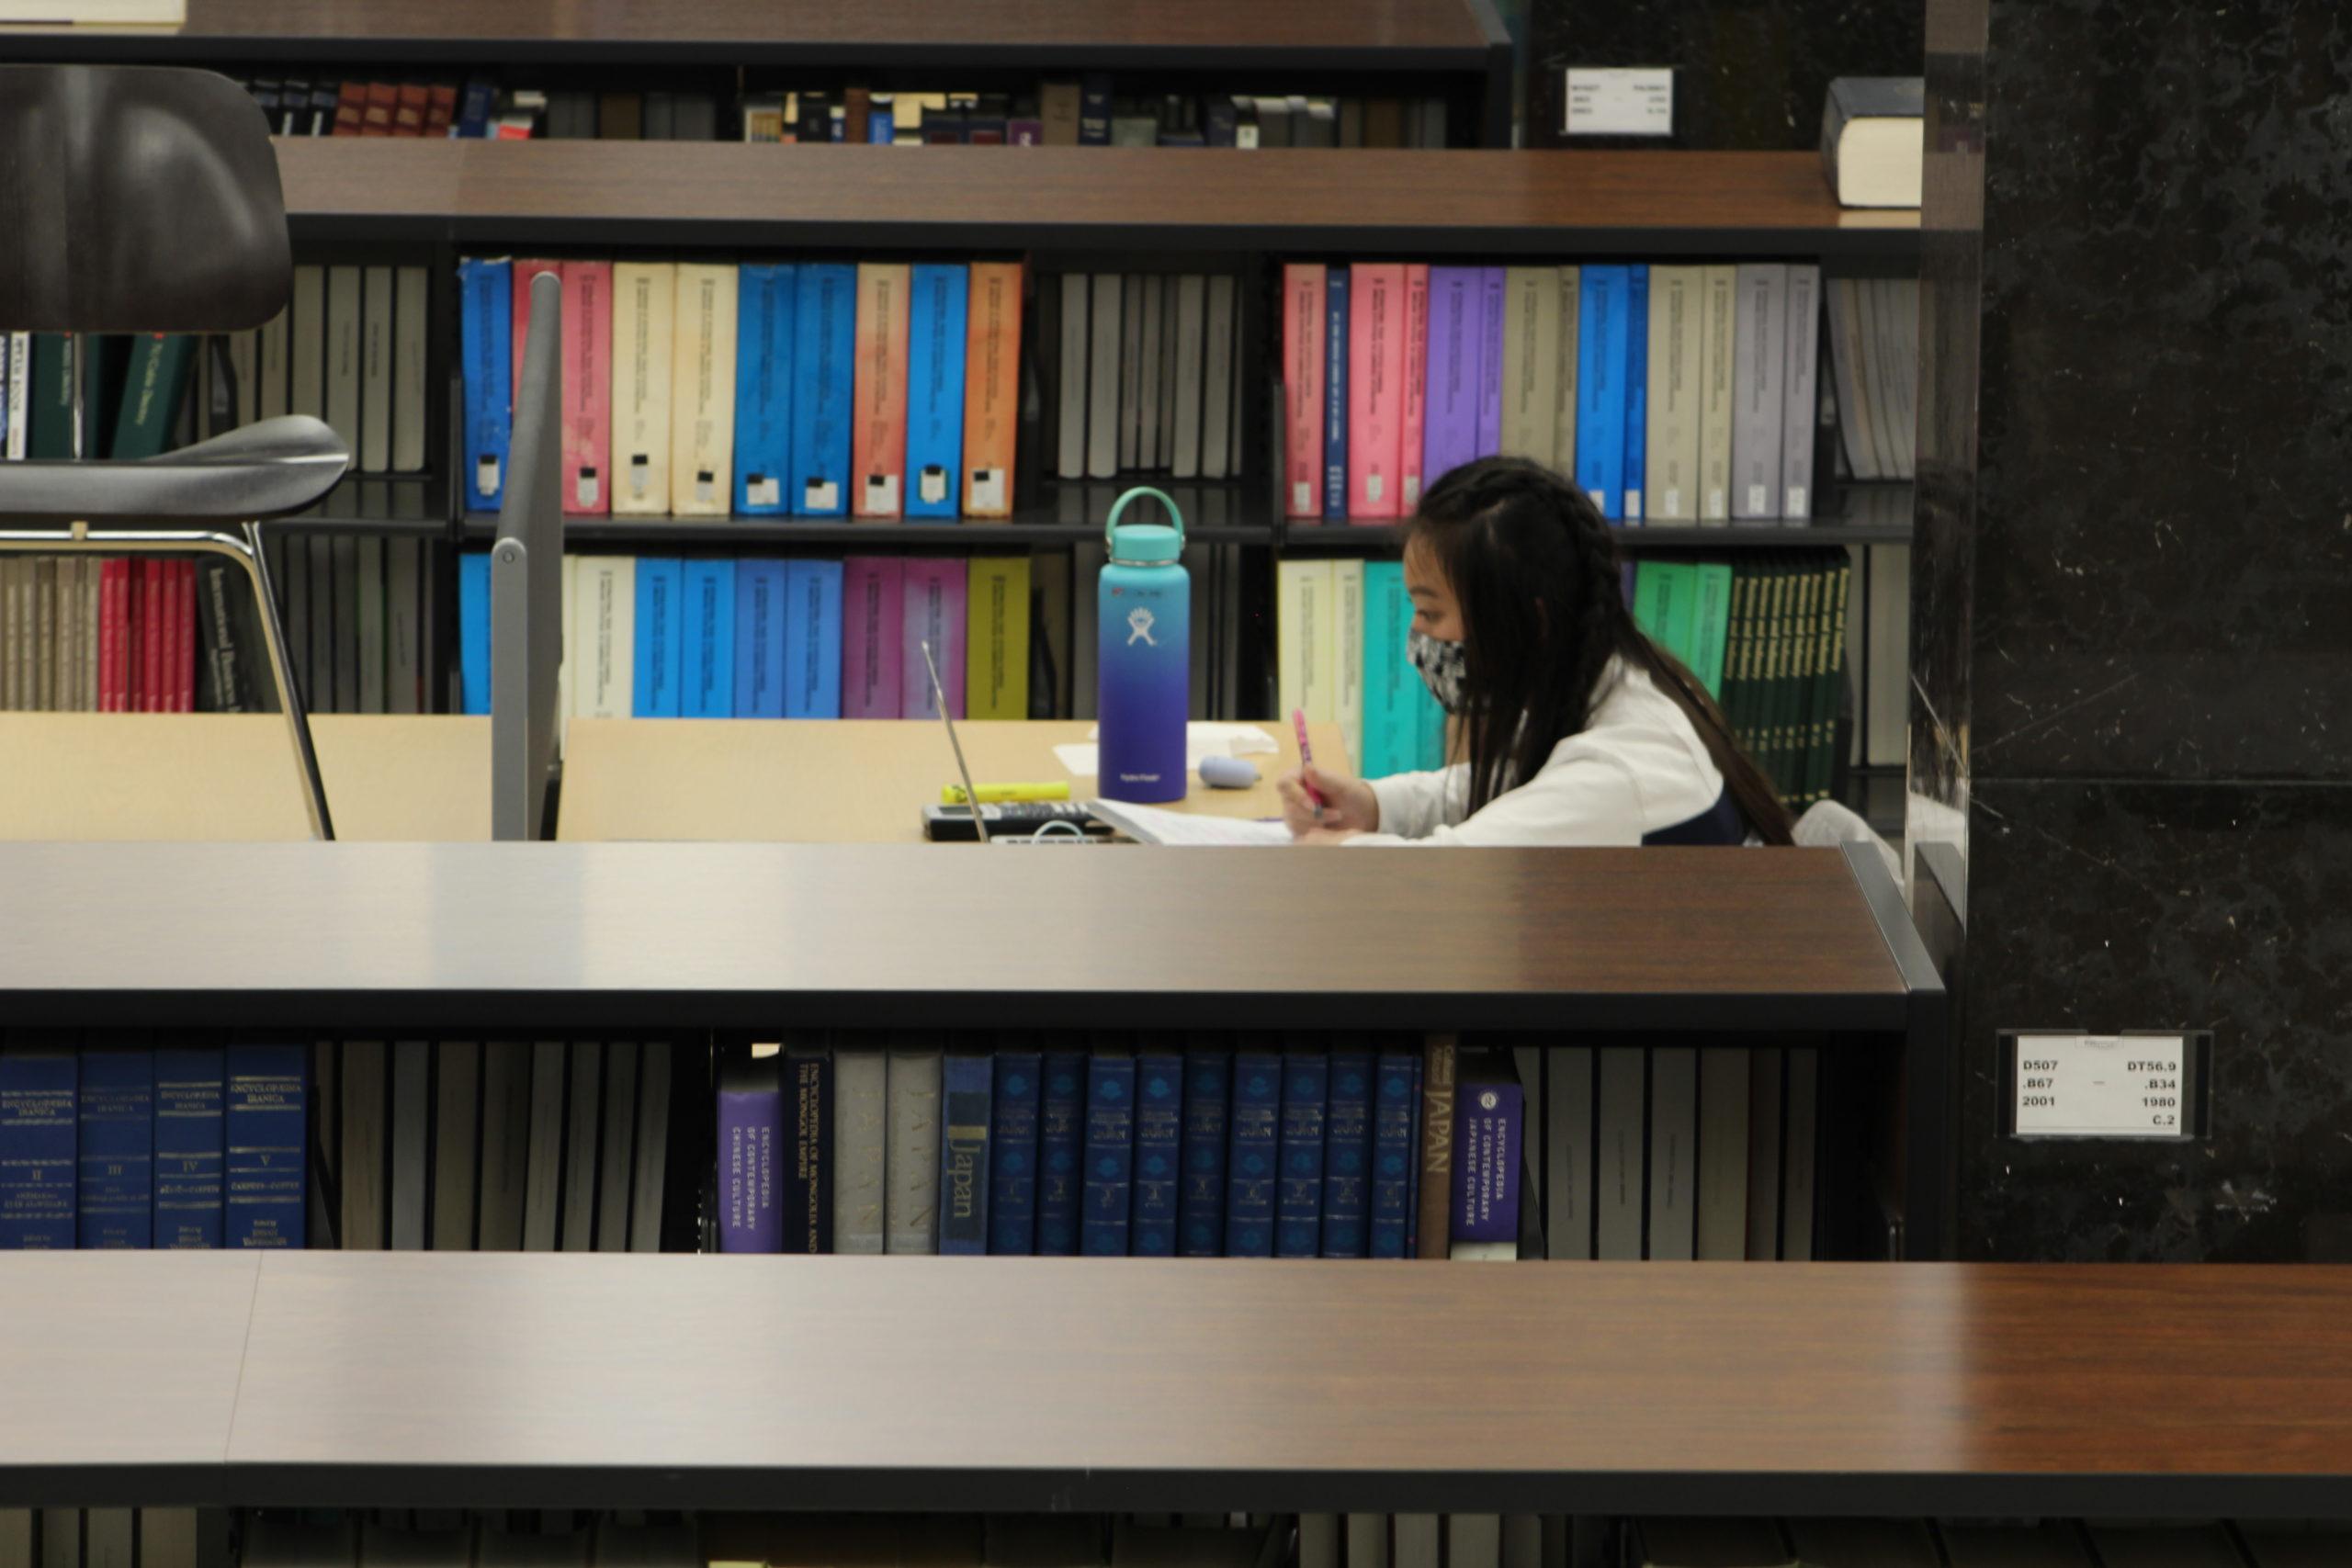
(135, 200)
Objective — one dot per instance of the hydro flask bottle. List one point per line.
(1144, 617)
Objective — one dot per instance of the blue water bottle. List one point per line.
(1144, 618)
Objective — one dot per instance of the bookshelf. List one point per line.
(452, 1380)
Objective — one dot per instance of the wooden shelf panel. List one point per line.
(687, 936)
(1322, 36)
(677, 195)
(509, 1380)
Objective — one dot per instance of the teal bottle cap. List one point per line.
(1146, 544)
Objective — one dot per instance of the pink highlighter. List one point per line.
(1307, 760)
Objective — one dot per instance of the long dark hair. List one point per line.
(1532, 566)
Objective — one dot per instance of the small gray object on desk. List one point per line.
(1228, 772)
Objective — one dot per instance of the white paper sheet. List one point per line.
(1150, 825)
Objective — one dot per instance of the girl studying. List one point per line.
(1571, 727)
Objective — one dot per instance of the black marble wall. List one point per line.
(1751, 74)
(2132, 604)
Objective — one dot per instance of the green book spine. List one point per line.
(1740, 642)
(1798, 712)
(153, 385)
(1681, 610)
(1774, 706)
(102, 379)
(1384, 671)
(50, 434)
(1833, 675)
(1712, 624)
(1649, 600)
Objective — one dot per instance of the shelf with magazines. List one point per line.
(423, 1381)
(1455, 49)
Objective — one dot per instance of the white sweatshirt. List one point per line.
(1637, 774)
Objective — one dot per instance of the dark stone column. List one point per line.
(2132, 597)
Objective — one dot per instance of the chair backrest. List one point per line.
(137, 199)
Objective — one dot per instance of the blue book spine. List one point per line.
(1298, 1200)
(37, 1136)
(188, 1148)
(709, 639)
(1095, 111)
(661, 583)
(1208, 1092)
(1061, 1145)
(1335, 393)
(1347, 1155)
(881, 128)
(1487, 1155)
(485, 327)
(824, 352)
(1158, 1170)
(1393, 1110)
(1600, 387)
(813, 647)
(473, 630)
(1413, 1169)
(935, 389)
(761, 631)
(1637, 388)
(1252, 1153)
(1110, 1155)
(964, 1089)
(265, 1118)
(117, 1148)
(766, 294)
(1012, 1154)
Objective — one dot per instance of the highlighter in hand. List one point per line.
(1306, 762)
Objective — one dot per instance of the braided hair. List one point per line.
(1534, 569)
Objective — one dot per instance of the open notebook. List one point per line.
(1150, 825)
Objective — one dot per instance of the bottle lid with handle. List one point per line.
(1145, 544)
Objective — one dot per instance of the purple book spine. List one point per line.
(935, 610)
(873, 615)
(1450, 416)
(1485, 1162)
(1491, 297)
(751, 1126)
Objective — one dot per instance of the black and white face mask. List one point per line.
(1441, 665)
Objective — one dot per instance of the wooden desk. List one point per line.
(233, 776)
(841, 781)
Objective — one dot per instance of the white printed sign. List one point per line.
(2102, 1085)
(1619, 101)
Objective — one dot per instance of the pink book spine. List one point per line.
(587, 388)
(524, 271)
(934, 610)
(1410, 420)
(184, 638)
(872, 618)
(1375, 356)
(1302, 387)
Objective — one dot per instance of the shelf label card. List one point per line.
(2102, 1085)
(1619, 101)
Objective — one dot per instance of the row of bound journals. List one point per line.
(1673, 394)
(1393, 1147)
(450, 1144)
(178, 1538)
(81, 633)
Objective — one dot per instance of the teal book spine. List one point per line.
(1251, 1154)
(1386, 612)
(37, 1138)
(1061, 1129)
(1102, 1227)
(115, 1148)
(935, 328)
(267, 1119)
(1298, 1198)
(189, 1146)
(1208, 1093)
(1347, 1155)
(1159, 1158)
(708, 633)
(965, 1091)
(1012, 1154)
(473, 630)
(661, 583)
(766, 298)
(761, 631)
